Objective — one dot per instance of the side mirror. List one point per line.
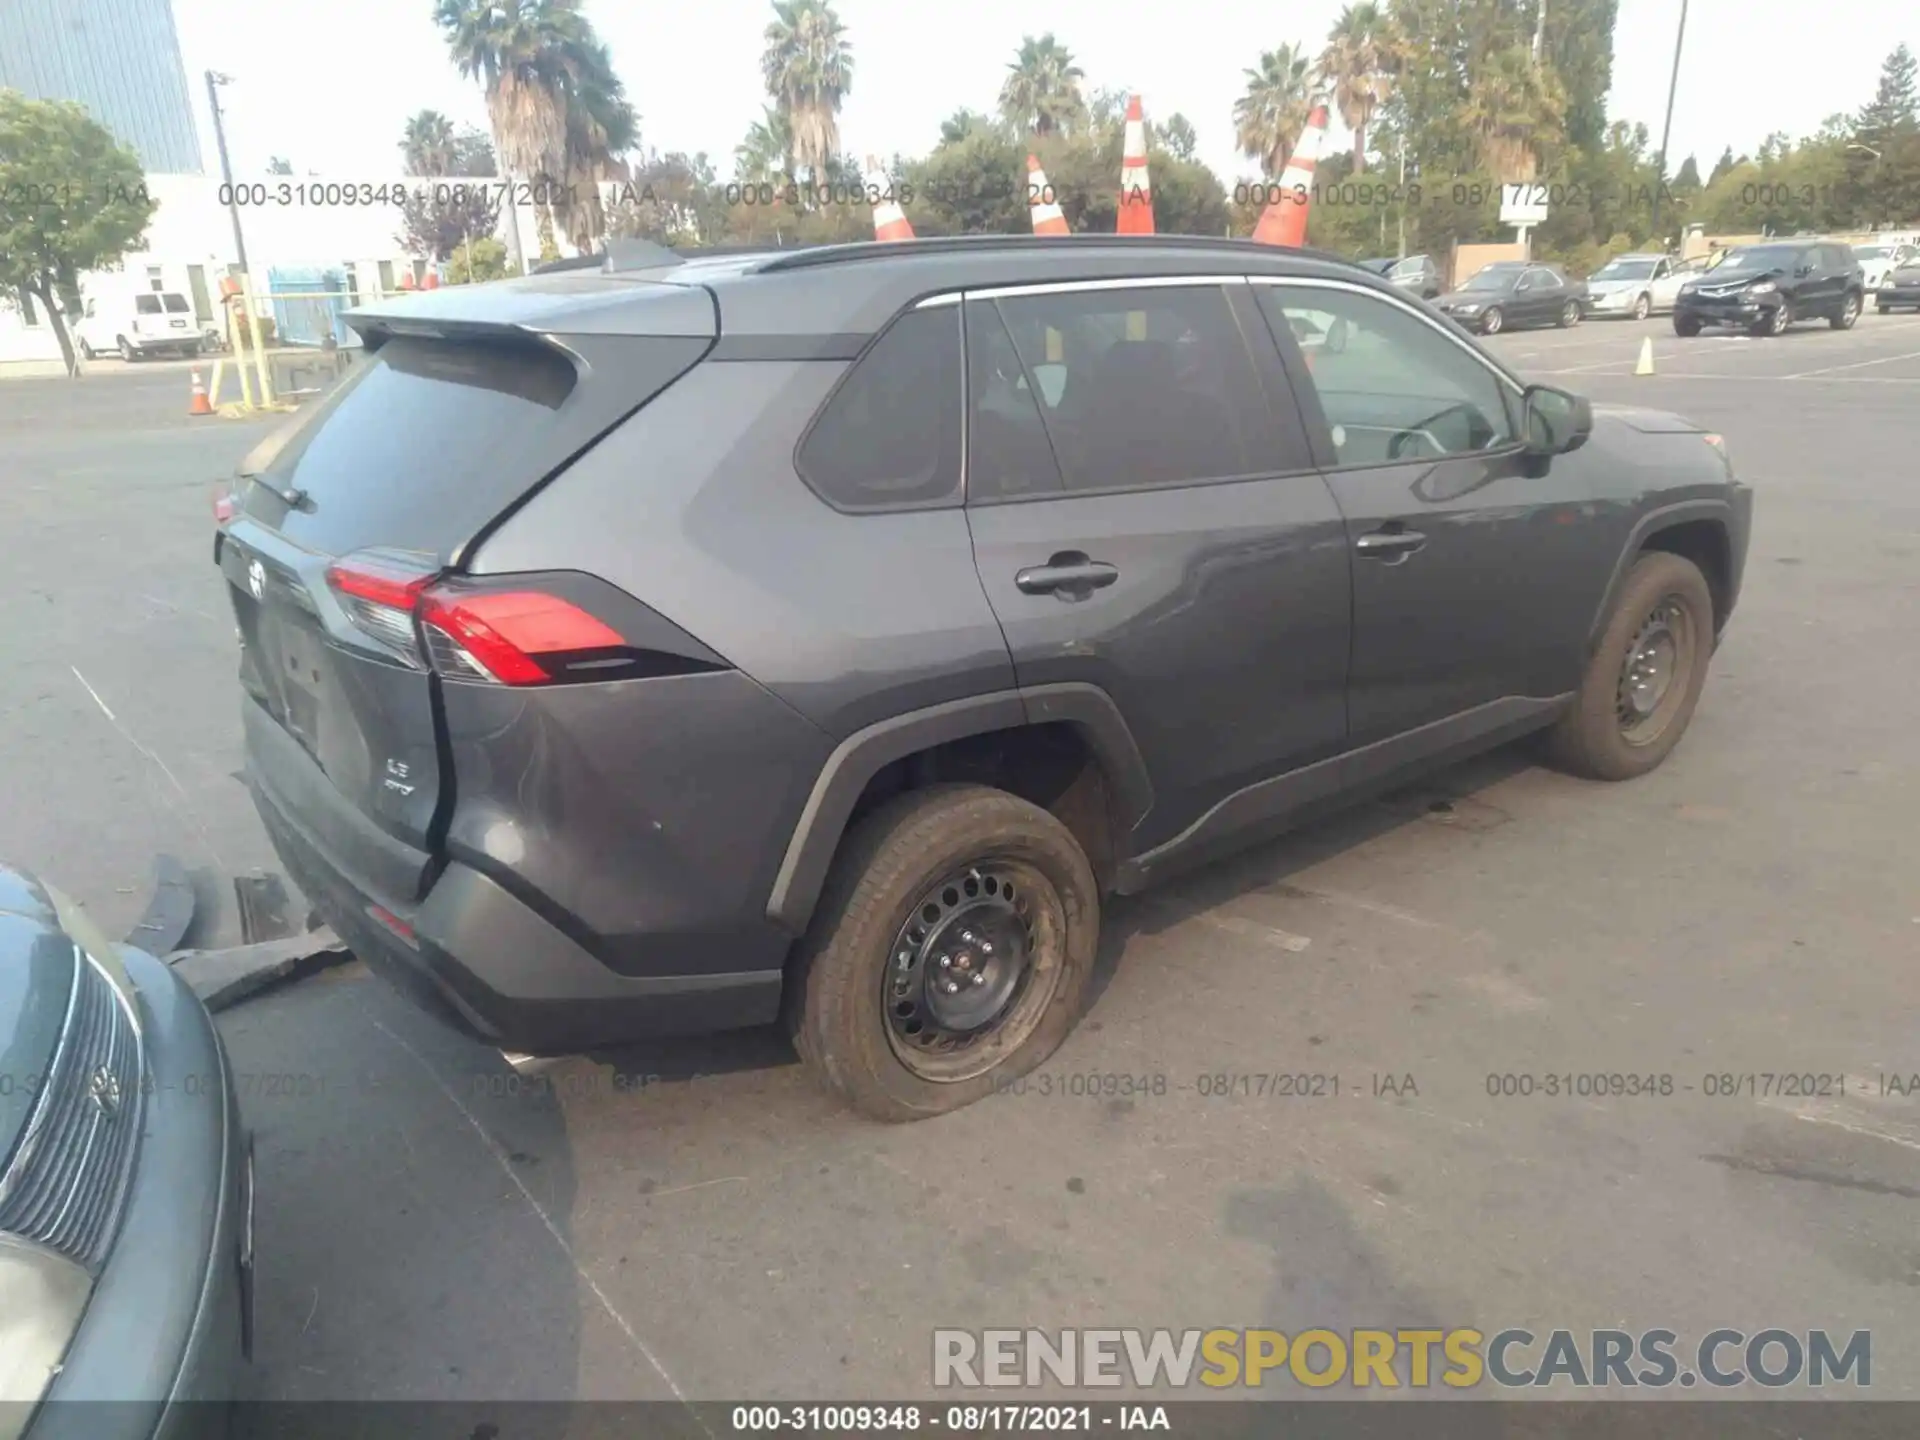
(1556, 421)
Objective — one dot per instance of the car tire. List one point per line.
(1642, 308)
(933, 865)
(1776, 321)
(1686, 326)
(1569, 315)
(1644, 680)
(1493, 321)
(1849, 314)
(86, 351)
(1880, 309)
(127, 352)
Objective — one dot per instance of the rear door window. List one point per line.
(176, 304)
(146, 304)
(1113, 389)
(888, 437)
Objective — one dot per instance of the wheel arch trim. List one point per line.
(863, 754)
(1666, 517)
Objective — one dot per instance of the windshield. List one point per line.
(1491, 278)
(1624, 270)
(1762, 258)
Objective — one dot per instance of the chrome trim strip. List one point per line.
(1124, 282)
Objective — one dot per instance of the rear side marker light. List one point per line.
(392, 923)
(516, 637)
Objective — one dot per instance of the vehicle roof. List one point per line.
(1637, 255)
(834, 294)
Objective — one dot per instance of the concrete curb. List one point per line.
(224, 978)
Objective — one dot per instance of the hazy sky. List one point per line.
(330, 86)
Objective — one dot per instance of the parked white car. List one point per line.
(1636, 285)
(1878, 261)
(138, 324)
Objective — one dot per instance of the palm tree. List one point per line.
(962, 123)
(1358, 66)
(765, 156)
(601, 128)
(559, 114)
(1268, 118)
(427, 145)
(808, 67)
(1511, 105)
(1041, 95)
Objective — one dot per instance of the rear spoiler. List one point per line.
(539, 307)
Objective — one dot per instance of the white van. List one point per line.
(137, 324)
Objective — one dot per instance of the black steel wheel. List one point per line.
(1652, 685)
(974, 968)
(949, 953)
(1645, 675)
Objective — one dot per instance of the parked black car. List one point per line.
(825, 633)
(126, 1187)
(1763, 289)
(1900, 288)
(1416, 274)
(1513, 294)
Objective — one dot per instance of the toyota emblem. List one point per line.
(103, 1089)
(257, 579)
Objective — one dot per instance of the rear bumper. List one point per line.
(486, 960)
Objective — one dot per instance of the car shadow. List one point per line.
(1445, 795)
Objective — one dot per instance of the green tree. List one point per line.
(53, 230)
(1041, 94)
(426, 145)
(559, 115)
(1579, 42)
(477, 261)
(808, 69)
(1175, 137)
(1269, 116)
(441, 218)
(1688, 176)
(1515, 109)
(1722, 166)
(1358, 64)
(963, 122)
(1895, 107)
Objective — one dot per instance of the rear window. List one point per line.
(415, 449)
(427, 441)
(146, 304)
(176, 304)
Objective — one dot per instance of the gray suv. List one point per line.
(823, 634)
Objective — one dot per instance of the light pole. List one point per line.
(214, 81)
(1666, 131)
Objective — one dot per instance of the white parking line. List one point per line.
(1855, 365)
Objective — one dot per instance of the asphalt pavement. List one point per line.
(696, 1220)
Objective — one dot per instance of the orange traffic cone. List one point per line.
(1284, 221)
(432, 282)
(1136, 197)
(1048, 217)
(889, 220)
(200, 404)
(406, 279)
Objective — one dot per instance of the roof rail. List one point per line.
(962, 244)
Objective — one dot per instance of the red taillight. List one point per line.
(505, 633)
(380, 579)
(224, 508)
(497, 636)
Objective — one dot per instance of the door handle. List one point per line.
(1389, 544)
(1069, 575)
